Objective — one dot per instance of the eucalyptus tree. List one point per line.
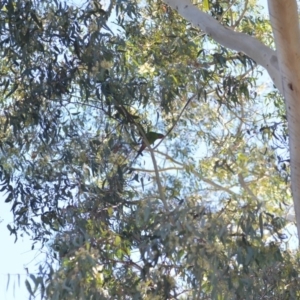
(200, 214)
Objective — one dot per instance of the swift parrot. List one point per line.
(151, 138)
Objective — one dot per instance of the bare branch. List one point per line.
(246, 188)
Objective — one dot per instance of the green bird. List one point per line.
(151, 138)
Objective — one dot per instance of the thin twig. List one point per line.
(246, 188)
(241, 16)
(173, 126)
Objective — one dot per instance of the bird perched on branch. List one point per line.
(151, 138)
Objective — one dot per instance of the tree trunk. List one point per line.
(285, 25)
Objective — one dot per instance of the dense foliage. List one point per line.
(199, 214)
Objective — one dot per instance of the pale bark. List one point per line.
(283, 65)
(285, 25)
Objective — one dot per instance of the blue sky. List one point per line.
(15, 257)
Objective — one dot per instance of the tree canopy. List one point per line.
(148, 160)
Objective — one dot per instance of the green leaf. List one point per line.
(8, 280)
(9, 198)
(28, 286)
(118, 240)
(12, 90)
(36, 20)
(205, 5)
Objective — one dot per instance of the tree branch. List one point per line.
(246, 188)
(228, 38)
